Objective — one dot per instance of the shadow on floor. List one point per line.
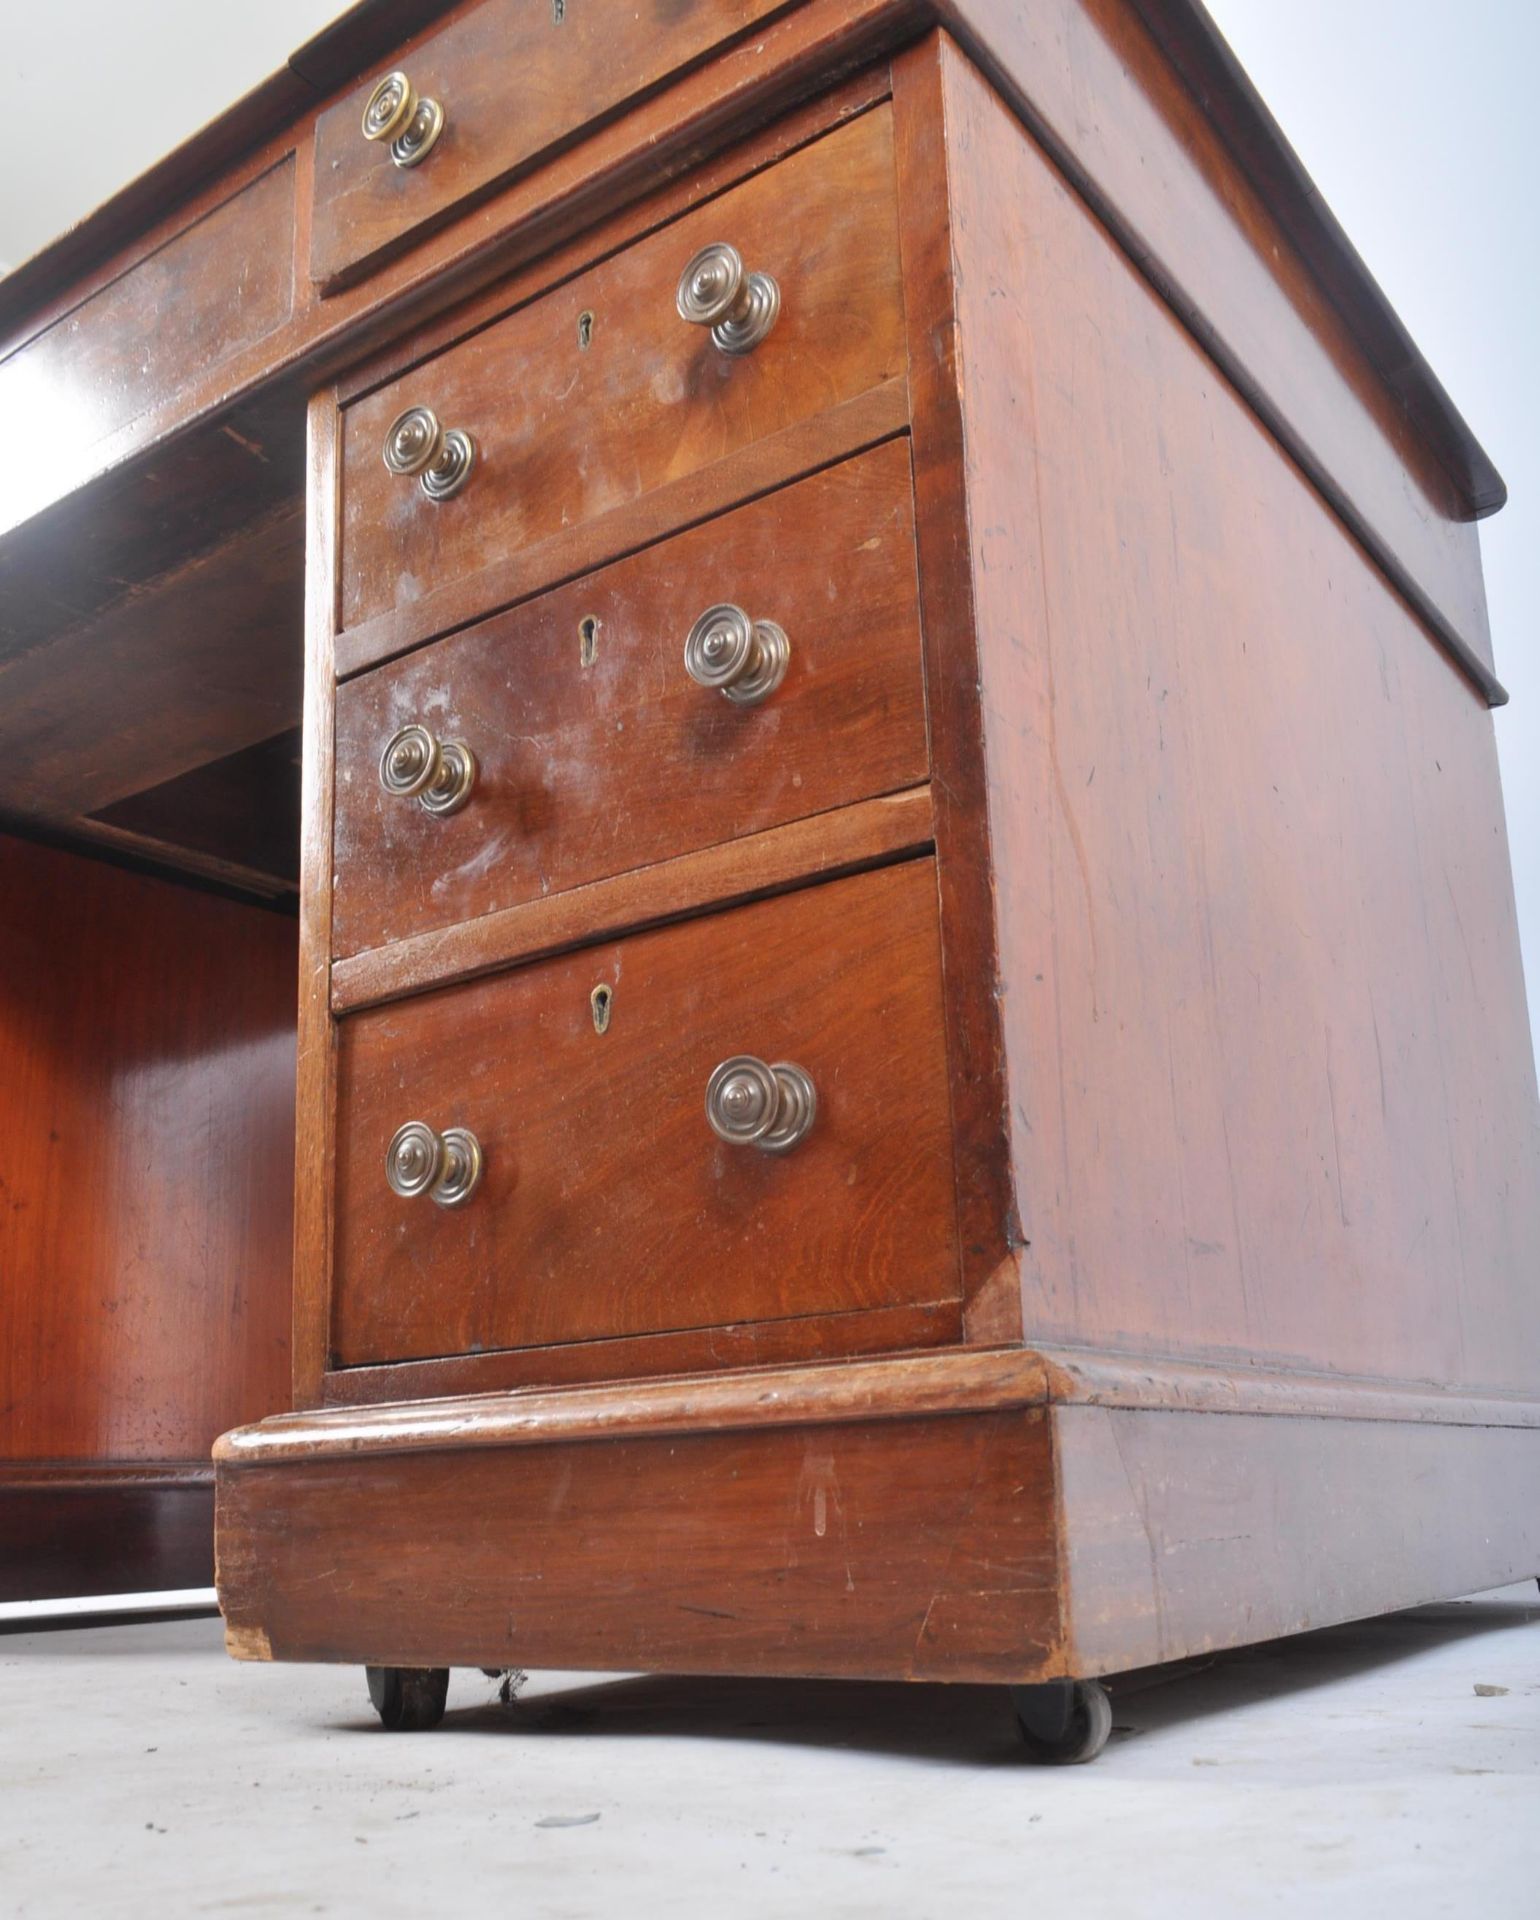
(973, 1725)
(965, 1725)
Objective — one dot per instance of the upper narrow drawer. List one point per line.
(599, 393)
(508, 80)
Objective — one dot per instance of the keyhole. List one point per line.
(600, 1000)
(588, 639)
(585, 331)
(558, 11)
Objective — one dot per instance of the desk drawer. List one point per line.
(596, 752)
(599, 392)
(510, 79)
(607, 1205)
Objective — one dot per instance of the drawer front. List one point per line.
(607, 1206)
(207, 296)
(597, 752)
(511, 78)
(598, 392)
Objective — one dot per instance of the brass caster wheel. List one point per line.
(408, 1699)
(1063, 1722)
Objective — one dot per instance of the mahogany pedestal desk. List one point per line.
(911, 1052)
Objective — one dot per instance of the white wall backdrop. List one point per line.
(1417, 119)
(1419, 123)
(96, 90)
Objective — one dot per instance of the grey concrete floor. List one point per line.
(1388, 1768)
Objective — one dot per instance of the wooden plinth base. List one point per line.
(971, 1516)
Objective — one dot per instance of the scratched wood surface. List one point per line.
(868, 833)
(567, 433)
(1198, 184)
(608, 1207)
(513, 79)
(597, 753)
(1190, 1531)
(1271, 1091)
(837, 1550)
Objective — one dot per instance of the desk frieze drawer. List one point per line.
(748, 318)
(742, 1118)
(757, 670)
(483, 97)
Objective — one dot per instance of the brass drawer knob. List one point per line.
(446, 1166)
(411, 125)
(437, 774)
(750, 1104)
(415, 443)
(746, 659)
(739, 307)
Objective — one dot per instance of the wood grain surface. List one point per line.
(1154, 165)
(1196, 182)
(608, 1207)
(316, 1061)
(160, 682)
(147, 1109)
(685, 1525)
(671, 147)
(987, 1227)
(867, 834)
(902, 1386)
(514, 79)
(838, 1550)
(1186, 1532)
(1271, 1093)
(567, 434)
(809, 1337)
(597, 753)
(223, 284)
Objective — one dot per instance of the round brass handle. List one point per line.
(412, 125)
(446, 1166)
(437, 774)
(750, 1104)
(416, 444)
(716, 291)
(746, 659)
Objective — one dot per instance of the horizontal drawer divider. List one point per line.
(794, 453)
(846, 840)
(803, 1339)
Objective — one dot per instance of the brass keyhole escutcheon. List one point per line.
(601, 1000)
(588, 640)
(585, 332)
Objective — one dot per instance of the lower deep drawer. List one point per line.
(607, 1205)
